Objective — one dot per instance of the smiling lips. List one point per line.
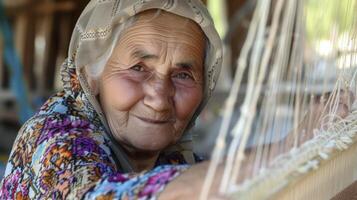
(155, 121)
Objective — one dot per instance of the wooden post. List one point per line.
(20, 34)
(42, 50)
(238, 39)
(2, 71)
(66, 31)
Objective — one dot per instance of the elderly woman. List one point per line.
(137, 75)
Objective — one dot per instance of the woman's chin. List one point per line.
(149, 143)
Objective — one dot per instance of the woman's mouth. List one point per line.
(155, 121)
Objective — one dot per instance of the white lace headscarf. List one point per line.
(98, 29)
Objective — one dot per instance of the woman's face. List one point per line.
(153, 82)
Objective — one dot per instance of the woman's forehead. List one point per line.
(153, 43)
(157, 33)
(168, 21)
(147, 48)
(161, 16)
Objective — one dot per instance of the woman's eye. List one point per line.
(183, 75)
(138, 68)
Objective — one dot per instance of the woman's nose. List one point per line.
(159, 92)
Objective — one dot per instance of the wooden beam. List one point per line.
(49, 8)
(41, 7)
(14, 3)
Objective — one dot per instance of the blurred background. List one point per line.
(35, 34)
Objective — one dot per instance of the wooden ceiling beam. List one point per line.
(41, 7)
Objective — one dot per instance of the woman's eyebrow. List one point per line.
(141, 54)
(185, 65)
(144, 55)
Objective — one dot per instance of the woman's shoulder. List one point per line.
(67, 104)
(60, 121)
(57, 139)
(62, 115)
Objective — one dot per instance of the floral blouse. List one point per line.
(63, 153)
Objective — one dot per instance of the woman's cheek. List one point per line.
(187, 101)
(122, 93)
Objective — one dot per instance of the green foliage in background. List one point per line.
(322, 17)
(325, 16)
(218, 12)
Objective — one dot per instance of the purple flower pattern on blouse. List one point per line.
(84, 145)
(118, 178)
(155, 183)
(62, 126)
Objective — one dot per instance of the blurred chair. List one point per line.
(41, 33)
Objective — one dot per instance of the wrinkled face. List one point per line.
(153, 82)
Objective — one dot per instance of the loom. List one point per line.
(296, 134)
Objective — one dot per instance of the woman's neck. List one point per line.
(141, 160)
